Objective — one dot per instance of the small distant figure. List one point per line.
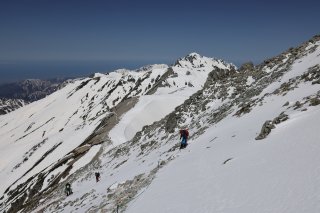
(68, 189)
(184, 134)
(97, 174)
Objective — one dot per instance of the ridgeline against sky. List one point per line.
(150, 31)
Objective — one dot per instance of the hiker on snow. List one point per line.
(68, 189)
(184, 134)
(97, 174)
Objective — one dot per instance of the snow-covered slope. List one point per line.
(56, 136)
(227, 169)
(252, 148)
(183, 81)
(249, 142)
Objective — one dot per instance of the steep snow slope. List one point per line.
(252, 132)
(224, 169)
(60, 134)
(45, 131)
(227, 170)
(234, 174)
(188, 76)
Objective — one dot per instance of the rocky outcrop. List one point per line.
(82, 149)
(265, 130)
(269, 125)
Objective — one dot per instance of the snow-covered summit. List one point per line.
(152, 67)
(146, 68)
(195, 60)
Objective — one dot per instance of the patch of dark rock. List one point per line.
(39, 161)
(35, 129)
(265, 130)
(29, 153)
(226, 161)
(103, 86)
(82, 149)
(29, 127)
(282, 117)
(314, 101)
(286, 104)
(97, 79)
(16, 206)
(137, 85)
(84, 83)
(297, 105)
(121, 152)
(213, 139)
(118, 165)
(244, 108)
(4, 125)
(190, 85)
(269, 125)
(147, 145)
(248, 66)
(313, 74)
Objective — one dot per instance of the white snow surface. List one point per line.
(67, 116)
(250, 80)
(223, 170)
(227, 170)
(43, 132)
(186, 81)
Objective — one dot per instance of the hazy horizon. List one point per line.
(130, 34)
(13, 71)
(17, 71)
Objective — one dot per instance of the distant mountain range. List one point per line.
(17, 94)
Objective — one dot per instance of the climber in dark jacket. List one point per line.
(184, 134)
(97, 174)
(68, 189)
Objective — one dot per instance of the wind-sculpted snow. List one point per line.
(224, 168)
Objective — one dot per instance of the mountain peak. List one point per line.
(195, 60)
(194, 54)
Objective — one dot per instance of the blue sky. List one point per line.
(151, 31)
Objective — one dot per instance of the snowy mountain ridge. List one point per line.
(252, 132)
(51, 135)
